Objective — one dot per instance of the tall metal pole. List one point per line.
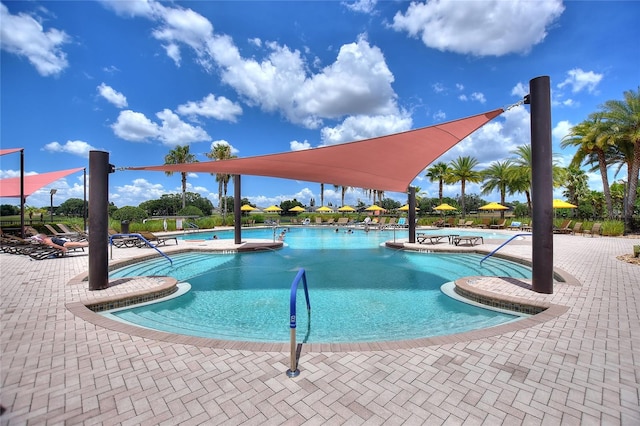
(99, 169)
(541, 184)
(22, 197)
(84, 204)
(237, 212)
(412, 214)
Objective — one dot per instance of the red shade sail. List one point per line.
(388, 163)
(9, 150)
(10, 187)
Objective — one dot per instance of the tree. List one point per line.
(576, 185)
(498, 177)
(623, 120)
(180, 155)
(438, 172)
(71, 207)
(587, 136)
(222, 151)
(461, 170)
(321, 194)
(129, 213)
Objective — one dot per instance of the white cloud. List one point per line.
(24, 35)
(579, 80)
(136, 127)
(520, 90)
(79, 148)
(480, 28)
(360, 127)
(114, 97)
(477, 96)
(299, 146)
(439, 116)
(219, 108)
(438, 87)
(561, 129)
(362, 6)
(135, 193)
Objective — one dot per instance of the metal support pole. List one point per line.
(237, 212)
(541, 184)
(99, 169)
(22, 197)
(412, 214)
(84, 204)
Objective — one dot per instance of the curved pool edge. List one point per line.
(135, 286)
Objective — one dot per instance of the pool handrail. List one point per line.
(504, 244)
(301, 275)
(140, 237)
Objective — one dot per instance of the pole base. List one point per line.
(293, 374)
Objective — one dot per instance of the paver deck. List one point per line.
(579, 366)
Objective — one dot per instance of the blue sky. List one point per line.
(137, 78)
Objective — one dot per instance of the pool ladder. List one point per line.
(294, 371)
(504, 244)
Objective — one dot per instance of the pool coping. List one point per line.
(471, 287)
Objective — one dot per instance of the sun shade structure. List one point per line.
(9, 150)
(273, 208)
(493, 206)
(346, 209)
(387, 163)
(296, 209)
(324, 209)
(444, 206)
(405, 208)
(10, 187)
(561, 204)
(247, 208)
(374, 208)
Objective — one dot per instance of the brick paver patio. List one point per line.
(578, 366)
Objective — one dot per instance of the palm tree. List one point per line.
(623, 119)
(221, 151)
(180, 155)
(321, 194)
(588, 137)
(576, 185)
(498, 177)
(521, 174)
(438, 172)
(461, 170)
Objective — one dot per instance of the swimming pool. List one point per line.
(359, 291)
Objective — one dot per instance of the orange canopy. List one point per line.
(10, 187)
(388, 163)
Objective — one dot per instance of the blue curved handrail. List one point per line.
(502, 245)
(140, 237)
(301, 275)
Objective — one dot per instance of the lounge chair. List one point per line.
(577, 228)
(318, 220)
(461, 223)
(120, 241)
(402, 223)
(450, 222)
(330, 221)
(438, 223)
(565, 228)
(423, 238)
(33, 249)
(468, 239)
(154, 239)
(527, 227)
(514, 226)
(499, 225)
(468, 224)
(342, 221)
(595, 229)
(59, 234)
(392, 223)
(484, 224)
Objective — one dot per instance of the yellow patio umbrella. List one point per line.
(247, 208)
(273, 208)
(444, 206)
(493, 206)
(560, 204)
(324, 209)
(374, 208)
(346, 209)
(296, 209)
(405, 208)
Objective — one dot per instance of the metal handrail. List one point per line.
(140, 237)
(502, 245)
(293, 371)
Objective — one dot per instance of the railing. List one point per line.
(502, 245)
(293, 371)
(140, 237)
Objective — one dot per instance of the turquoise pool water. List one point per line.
(358, 290)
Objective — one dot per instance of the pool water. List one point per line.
(365, 293)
